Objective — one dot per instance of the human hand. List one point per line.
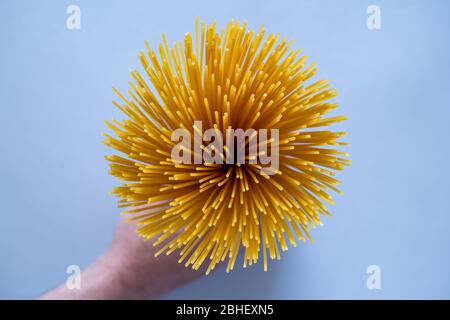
(128, 270)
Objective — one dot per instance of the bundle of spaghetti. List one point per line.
(232, 78)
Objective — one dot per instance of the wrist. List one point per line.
(131, 278)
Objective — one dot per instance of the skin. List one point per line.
(128, 270)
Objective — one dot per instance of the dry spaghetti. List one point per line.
(208, 212)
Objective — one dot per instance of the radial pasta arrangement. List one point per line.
(209, 205)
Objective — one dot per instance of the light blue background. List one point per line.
(55, 91)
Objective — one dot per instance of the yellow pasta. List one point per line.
(232, 78)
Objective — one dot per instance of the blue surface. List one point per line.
(55, 91)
